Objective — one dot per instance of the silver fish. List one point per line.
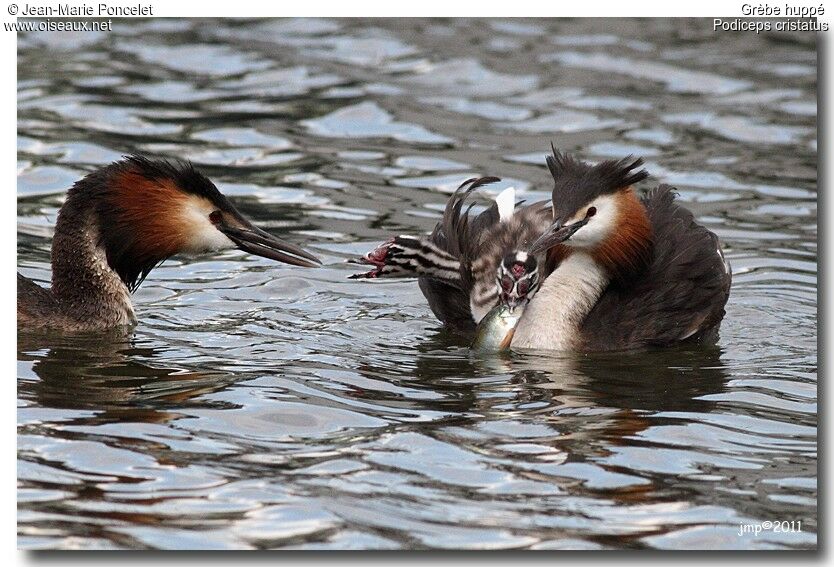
(495, 331)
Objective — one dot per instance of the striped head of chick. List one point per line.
(518, 279)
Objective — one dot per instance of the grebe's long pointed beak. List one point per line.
(556, 234)
(252, 239)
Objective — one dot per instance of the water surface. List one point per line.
(258, 405)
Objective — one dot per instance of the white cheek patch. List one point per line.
(200, 234)
(600, 226)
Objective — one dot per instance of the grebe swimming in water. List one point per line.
(121, 221)
(599, 269)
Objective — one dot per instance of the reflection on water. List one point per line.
(260, 406)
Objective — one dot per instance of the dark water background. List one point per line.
(264, 406)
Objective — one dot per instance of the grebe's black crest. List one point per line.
(577, 182)
(181, 172)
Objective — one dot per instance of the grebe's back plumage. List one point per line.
(117, 224)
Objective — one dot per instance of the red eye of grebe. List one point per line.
(506, 284)
(215, 217)
(591, 212)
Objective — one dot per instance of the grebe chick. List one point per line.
(470, 261)
(121, 221)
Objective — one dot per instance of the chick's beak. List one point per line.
(514, 303)
(556, 234)
(253, 240)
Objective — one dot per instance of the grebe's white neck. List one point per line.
(553, 317)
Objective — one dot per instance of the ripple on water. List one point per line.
(615, 103)
(113, 119)
(240, 157)
(429, 163)
(489, 110)
(176, 92)
(764, 97)
(272, 526)
(61, 41)
(656, 136)
(618, 150)
(787, 69)
(274, 194)
(517, 28)
(369, 120)
(82, 152)
(469, 77)
(210, 60)
(586, 40)
(278, 421)
(563, 120)
(448, 183)
(285, 82)
(799, 107)
(243, 137)
(46, 180)
(368, 47)
(677, 79)
(741, 128)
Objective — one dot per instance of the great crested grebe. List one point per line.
(612, 270)
(121, 221)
